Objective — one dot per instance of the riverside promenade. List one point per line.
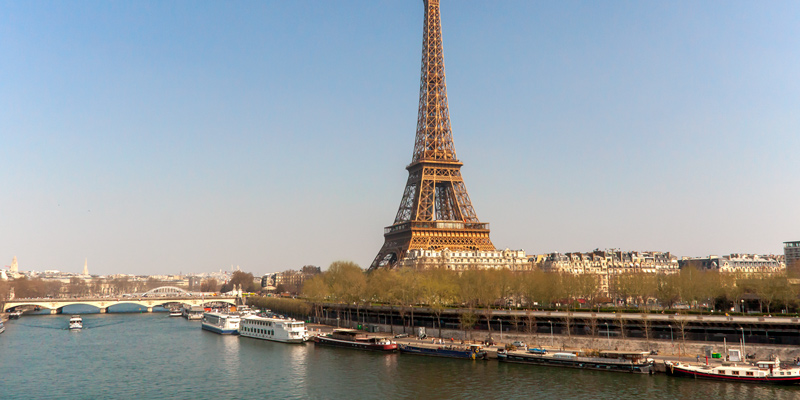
(687, 351)
(666, 332)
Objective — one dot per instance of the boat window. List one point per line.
(735, 372)
(749, 373)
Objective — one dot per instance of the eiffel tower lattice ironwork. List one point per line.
(435, 212)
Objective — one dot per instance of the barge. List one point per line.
(615, 361)
(354, 339)
(471, 352)
(769, 372)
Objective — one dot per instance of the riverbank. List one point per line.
(666, 349)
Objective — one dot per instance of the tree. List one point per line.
(438, 291)
(646, 328)
(407, 293)
(316, 291)
(667, 290)
(36, 287)
(122, 285)
(771, 288)
(96, 286)
(588, 286)
(153, 283)
(347, 284)
(638, 286)
(467, 320)
(209, 285)
(381, 285)
(242, 279)
(77, 287)
(5, 292)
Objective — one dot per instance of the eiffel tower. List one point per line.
(435, 212)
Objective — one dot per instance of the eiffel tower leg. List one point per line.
(391, 252)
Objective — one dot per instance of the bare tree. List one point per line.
(646, 329)
(593, 328)
(468, 319)
(682, 324)
(621, 321)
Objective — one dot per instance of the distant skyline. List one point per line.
(158, 137)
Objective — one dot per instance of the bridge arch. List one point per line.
(166, 291)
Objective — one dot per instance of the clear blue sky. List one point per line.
(158, 137)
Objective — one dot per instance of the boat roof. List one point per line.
(631, 353)
(221, 314)
(253, 317)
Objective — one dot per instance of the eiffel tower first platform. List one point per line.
(435, 212)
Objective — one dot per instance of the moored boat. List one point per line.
(354, 339)
(222, 323)
(75, 323)
(14, 314)
(193, 312)
(245, 311)
(2, 327)
(769, 372)
(471, 352)
(277, 329)
(615, 361)
(175, 312)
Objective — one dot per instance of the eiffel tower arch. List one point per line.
(435, 212)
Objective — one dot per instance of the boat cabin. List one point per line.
(348, 334)
(475, 348)
(625, 355)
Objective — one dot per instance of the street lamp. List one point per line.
(744, 353)
(671, 339)
(501, 328)
(551, 333)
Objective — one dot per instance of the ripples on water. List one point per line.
(152, 356)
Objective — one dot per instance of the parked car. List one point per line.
(519, 344)
(401, 335)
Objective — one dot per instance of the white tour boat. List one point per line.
(75, 323)
(276, 329)
(222, 323)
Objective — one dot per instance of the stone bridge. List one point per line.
(103, 303)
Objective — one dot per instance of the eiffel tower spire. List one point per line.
(435, 211)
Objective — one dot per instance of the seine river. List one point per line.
(153, 356)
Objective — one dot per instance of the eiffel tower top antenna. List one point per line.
(434, 140)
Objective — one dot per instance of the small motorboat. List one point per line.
(75, 323)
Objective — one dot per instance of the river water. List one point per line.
(153, 356)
